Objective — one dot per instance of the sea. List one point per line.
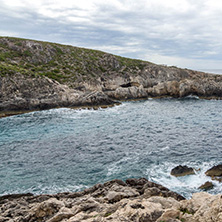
(213, 71)
(64, 149)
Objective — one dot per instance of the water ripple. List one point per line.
(66, 150)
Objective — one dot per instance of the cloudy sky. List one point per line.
(185, 33)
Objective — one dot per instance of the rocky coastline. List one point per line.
(37, 75)
(136, 200)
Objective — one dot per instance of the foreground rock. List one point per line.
(133, 200)
(37, 75)
(182, 171)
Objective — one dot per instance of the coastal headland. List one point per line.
(38, 75)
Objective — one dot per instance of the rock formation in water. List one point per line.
(182, 171)
(206, 186)
(39, 75)
(215, 172)
(133, 200)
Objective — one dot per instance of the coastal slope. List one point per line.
(38, 75)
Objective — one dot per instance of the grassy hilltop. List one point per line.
(63, 63)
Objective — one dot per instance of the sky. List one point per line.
(183, 33)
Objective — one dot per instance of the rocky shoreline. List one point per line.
(20, 94)
(38, 75)
(136, 200)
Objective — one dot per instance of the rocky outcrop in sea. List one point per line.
(136, 200)
(37, 75)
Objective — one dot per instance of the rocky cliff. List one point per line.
(136, 200)
(39, 75)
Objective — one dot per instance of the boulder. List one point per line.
(136, 210)
(136, 200)
(202, 207)
(206, 186)
(118, 201)
(215, 171)
(182, 171)
(149, 189)
(171, 215)
(62, 215)
(95, 98)
(45, 209)
(135, 182)
(113, 196)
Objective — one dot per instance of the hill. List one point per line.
(37, 75)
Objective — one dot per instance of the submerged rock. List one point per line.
(182, 171)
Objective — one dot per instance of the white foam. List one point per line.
(165, 148)
(116, 167)
(186, 184)
(57, 189)
(113, 169)
(192, 97)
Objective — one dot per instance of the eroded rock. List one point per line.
(45, 75)
(206, 186)
(113, 201)
(215, 171)
(182, 171)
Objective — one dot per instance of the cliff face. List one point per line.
(41, 75)
(21, 93)
(136, 200)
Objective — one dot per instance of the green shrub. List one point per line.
(27, 53)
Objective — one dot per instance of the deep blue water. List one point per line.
(67, 150)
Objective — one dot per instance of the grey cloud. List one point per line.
(129, 32)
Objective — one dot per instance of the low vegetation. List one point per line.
(66, 64)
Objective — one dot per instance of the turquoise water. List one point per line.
(67, 150)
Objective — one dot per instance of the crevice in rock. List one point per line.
(130, 84)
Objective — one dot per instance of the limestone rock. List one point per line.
(41, 76)
(98, 203)
(19, 93)
(113, 196)
(113, 201)
(215, 171)
(117, 193)
(206, 186)
(182, 171)
(171, 215)
(165, 202)
(147, 212)
(203, 207)
(148, 189)
(46, 209)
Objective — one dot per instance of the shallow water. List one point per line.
(67, 150)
